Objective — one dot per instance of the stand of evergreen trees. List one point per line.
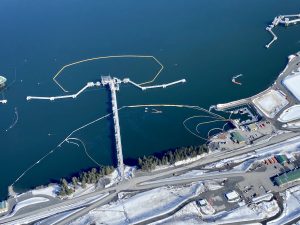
(148, 163)
(91, 176)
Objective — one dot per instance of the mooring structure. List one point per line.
(113, 84)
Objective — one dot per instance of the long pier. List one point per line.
(285, 20)
(113, 84)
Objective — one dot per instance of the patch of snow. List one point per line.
(233, 160)
(293, 125)
(154, 203)
(291, 145)
(207, 209)
(266, 197)
(212, 185)
(114, 177)
(51, 190)
(189, 160)
(189, 214)
(291, 207)
(271, 103)
(290, 114)
(292, 83)
(260, 211)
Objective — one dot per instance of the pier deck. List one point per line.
(113, 86)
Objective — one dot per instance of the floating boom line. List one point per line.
(72, 141)
(109, 57)
(16, 119)
(69, 138)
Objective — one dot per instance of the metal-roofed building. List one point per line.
(282, 159)
(287, 177)
(237, 138)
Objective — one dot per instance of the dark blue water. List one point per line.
(206, 42)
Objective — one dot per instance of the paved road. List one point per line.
(136, 184)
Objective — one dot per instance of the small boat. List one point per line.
(234, 79)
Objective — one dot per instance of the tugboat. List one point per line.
(2, 81)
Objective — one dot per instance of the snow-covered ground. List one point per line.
(181, 162)
(247, 213)
(233, 160)
(293, 125)
(271, 103)
(292, 83)
(290, 114)
(115, 178)
(189, 160)
(291, 145)
(291, 206)
(143, 206)
(191, 214)
(51, 190)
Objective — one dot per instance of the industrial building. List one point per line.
(236, 137)
(282, 159)
(288, 177)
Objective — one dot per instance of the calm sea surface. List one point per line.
(206, 42)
